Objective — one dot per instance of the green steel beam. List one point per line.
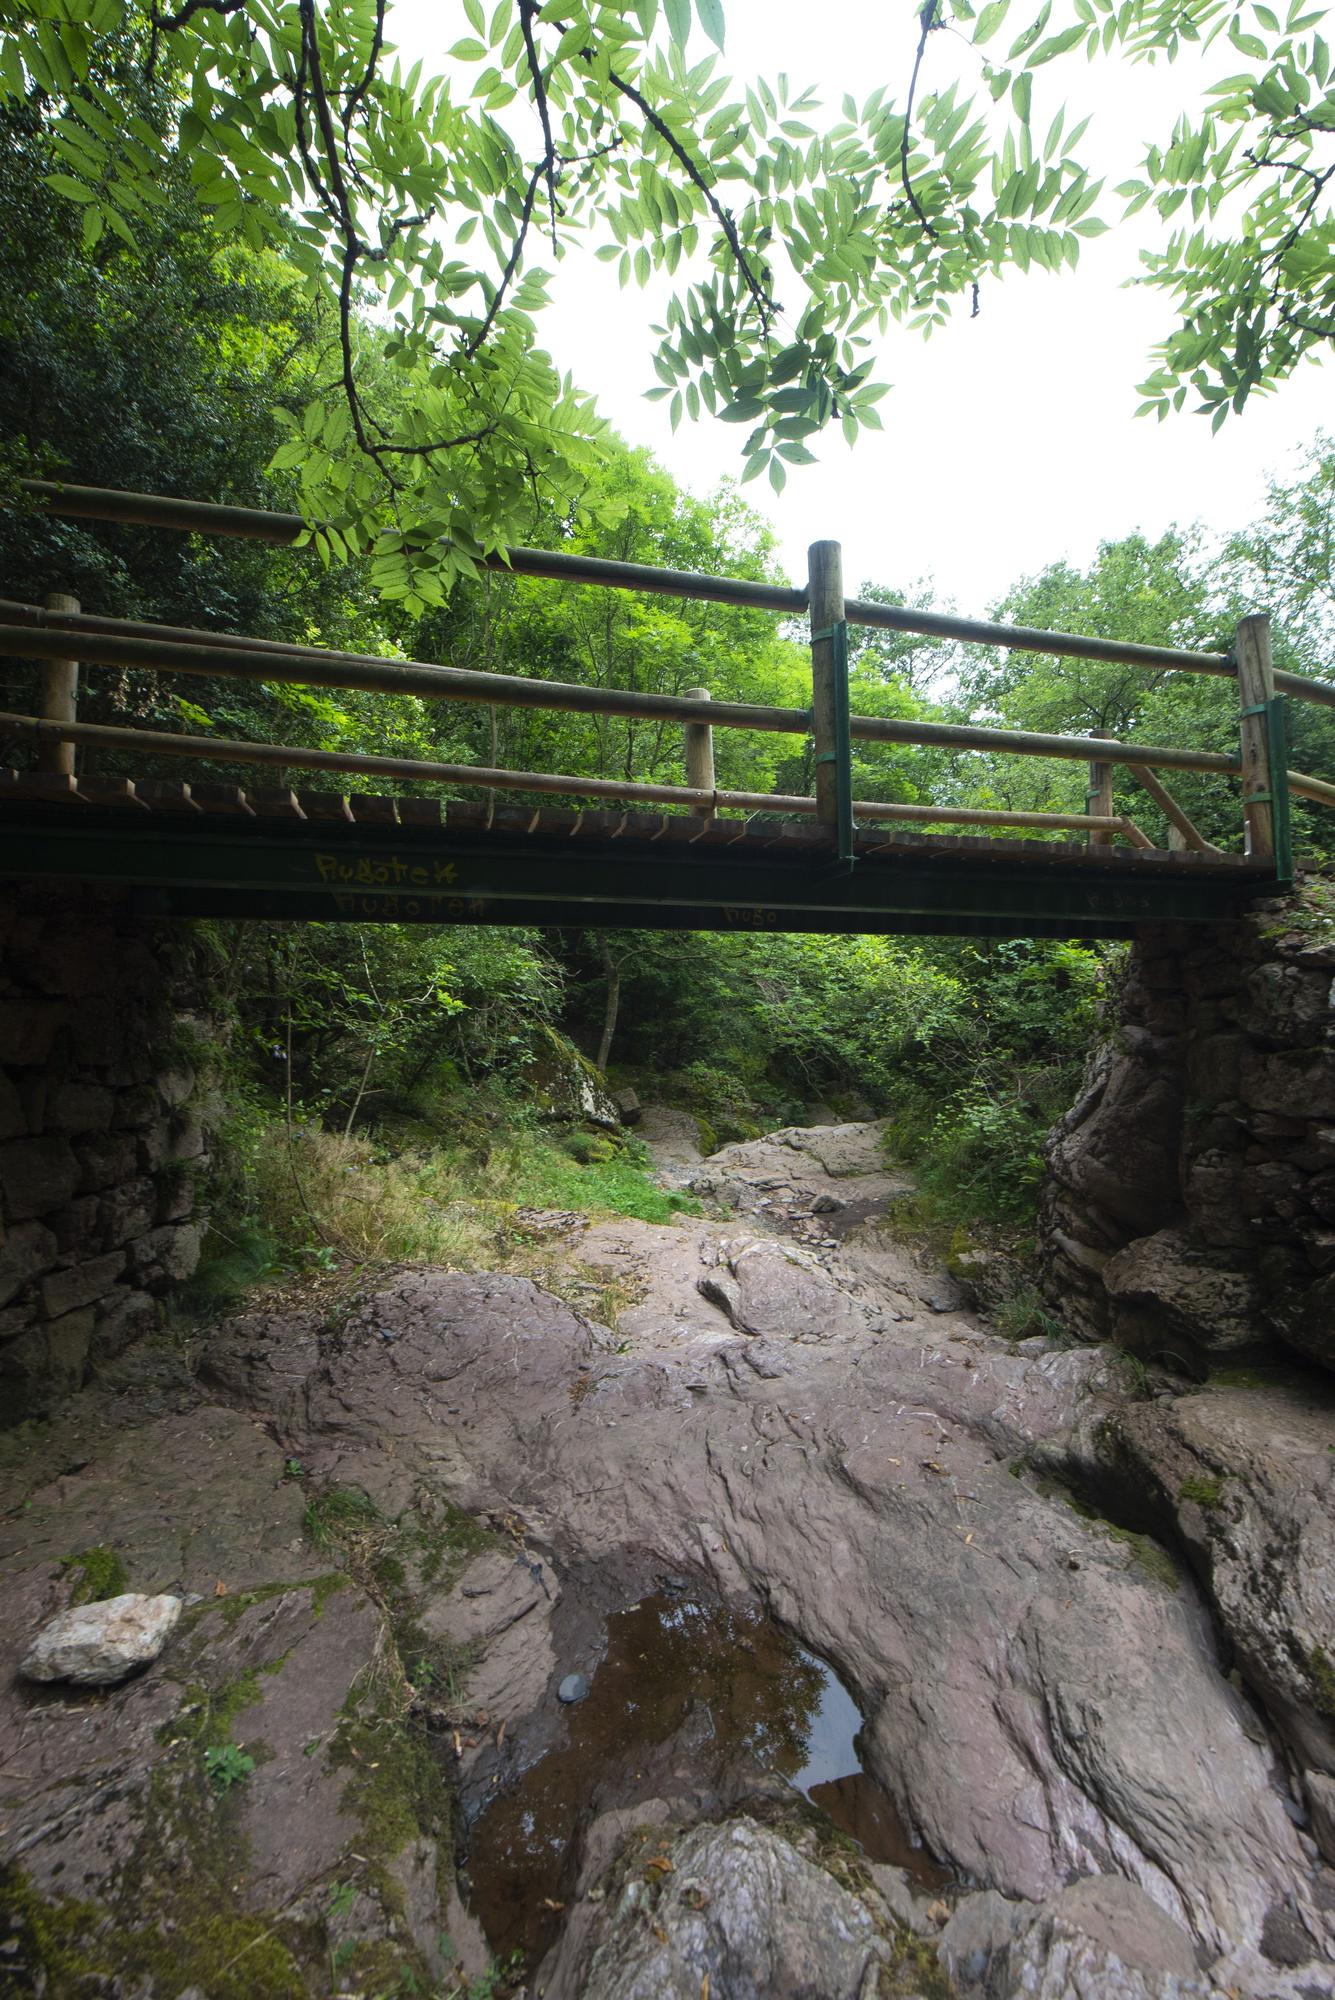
(262, 906)
(403, 874)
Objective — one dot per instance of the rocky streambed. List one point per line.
(1079, 1621)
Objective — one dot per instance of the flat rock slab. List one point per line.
(187, 1500)
(799, 1166)
(1042, 1695)
(672, 1137)
(1039, 1703)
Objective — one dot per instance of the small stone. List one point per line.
(28, 1249)
(80, 1107)
(99, 1644)
(107, 1159)
(63, 1291)
(573, 1688)
(37, 1175)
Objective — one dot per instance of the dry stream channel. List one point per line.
(797, 1637)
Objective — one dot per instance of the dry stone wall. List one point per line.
(103, 1141)
(1191, 1204)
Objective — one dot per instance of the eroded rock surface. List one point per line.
(822, 1428)
(1244, 1479)
(740, 1912)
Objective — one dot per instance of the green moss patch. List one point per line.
(99, 1573)
(1202, 1490)
(1322, 1675)
(1149, 1556)
(79, 1948)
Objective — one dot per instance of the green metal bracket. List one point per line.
(1276, 716)
(842, 754)
(1277, 743)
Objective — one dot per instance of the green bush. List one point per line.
(589, 1149)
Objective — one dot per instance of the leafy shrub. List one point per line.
(227, 1765)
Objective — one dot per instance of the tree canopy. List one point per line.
(417, 214)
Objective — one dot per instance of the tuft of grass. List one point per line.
(325, 1197)
(1205, 1491)
(342, 1517)
(1148, 1555)
(1022, 1314)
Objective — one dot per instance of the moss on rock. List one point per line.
(99, 1574)
(76, 1947)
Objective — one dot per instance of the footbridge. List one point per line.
(411, 849)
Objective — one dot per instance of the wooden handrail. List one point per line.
(1315, 789)
(100, 503)
(226, 750)
(269, 661)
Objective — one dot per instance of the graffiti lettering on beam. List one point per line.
(753, 920)
(389, 871)
(440, 909)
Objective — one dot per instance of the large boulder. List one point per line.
(568, 1086)
(1167, 1293)
(1041, 1696)
(733, 1911)
(1099, 1939)
(1244, 1479)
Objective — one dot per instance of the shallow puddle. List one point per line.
(690, 1699)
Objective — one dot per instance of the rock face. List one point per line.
(99, 1644)
(102, 1139)
(483, 1475)
(1042, 1698)
(124, 1867)
(740, 1913)
(1243, 1479)
(1191, 1210)
(1099, 1939)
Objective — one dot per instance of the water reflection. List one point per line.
(691, 1698)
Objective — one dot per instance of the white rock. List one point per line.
(97, 1644)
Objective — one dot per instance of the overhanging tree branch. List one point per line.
(927, 20)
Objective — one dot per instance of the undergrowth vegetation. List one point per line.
(407, 1096)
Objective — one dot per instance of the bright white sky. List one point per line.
(1010, 441)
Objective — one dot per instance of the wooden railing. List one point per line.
(58, 634)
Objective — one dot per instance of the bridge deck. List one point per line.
(215, 850)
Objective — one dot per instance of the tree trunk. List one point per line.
(613, 974)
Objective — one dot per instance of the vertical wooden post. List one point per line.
(58, 697)
(700, 752)
(1100, 795)
(1256, 687)
(825, 591)
(1177, 840)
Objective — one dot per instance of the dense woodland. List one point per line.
(397, 1066)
